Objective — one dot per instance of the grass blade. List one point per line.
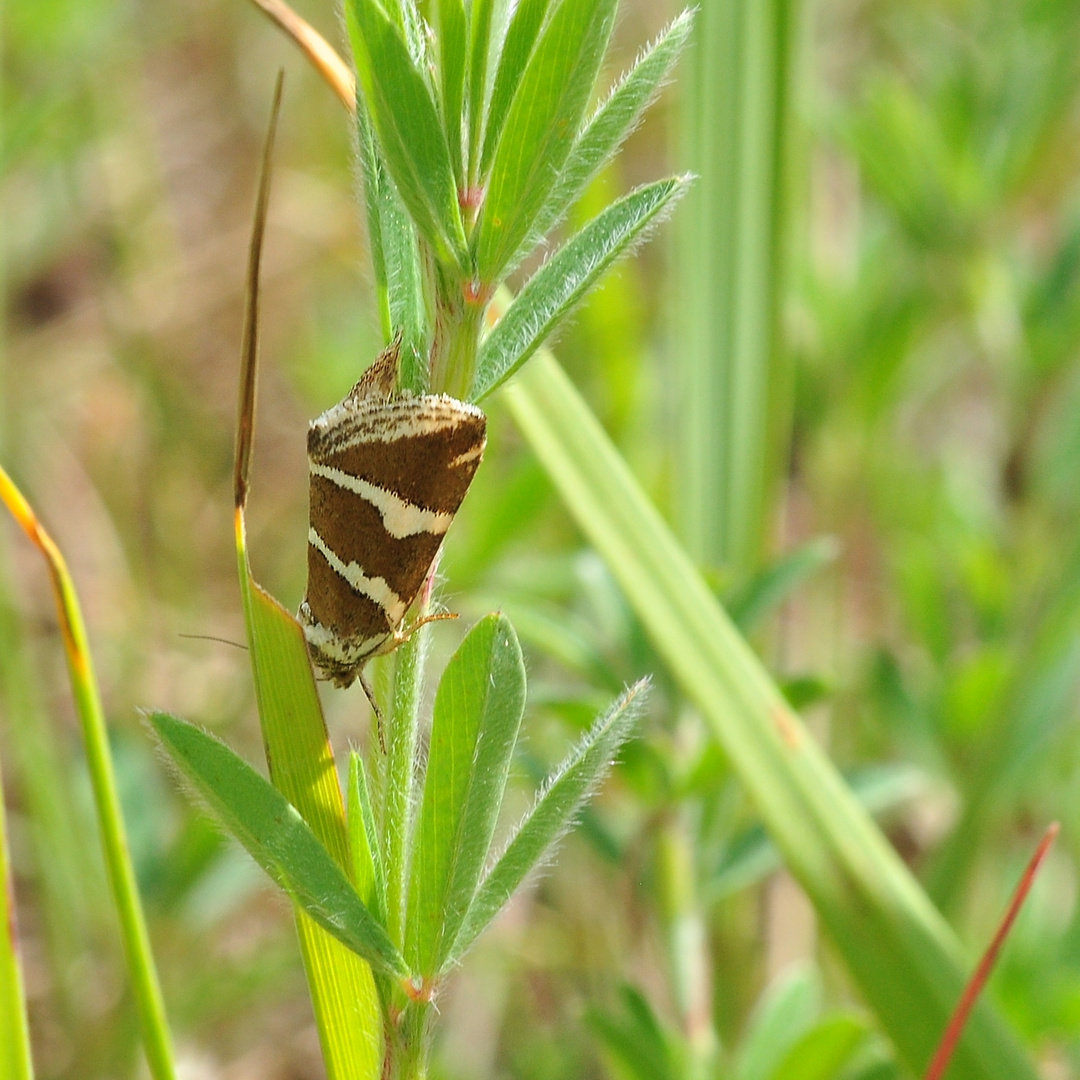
(541, 125)
(298, 751)
(136, 939)
(565, 278)
(897, 947)
(411, 136)
(478, 710)
(15, 1061)
(559, 802)
(277, 838)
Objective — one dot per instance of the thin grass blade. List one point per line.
(142, 970)
(565, 279)
(556, 808)
(450, 34)
(897, 947)
(15, 1060)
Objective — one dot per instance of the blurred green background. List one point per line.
(917, 425)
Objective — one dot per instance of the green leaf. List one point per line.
(411, 136)
(480, 25)
(278, 839)
(301, 765)
(520, 38)
(541, 126)
(769, 589)
(394, 258)
(15, 1061)
(824, 1050)
(901, 952)
(365, 857)
(565, 278)
(613, 121)
(636, 1045)
(787, 1009)
(478, 709)
(557, 805)
(450, 30)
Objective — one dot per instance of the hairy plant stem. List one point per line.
(455, 313)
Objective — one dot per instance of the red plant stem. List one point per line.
(974, 987)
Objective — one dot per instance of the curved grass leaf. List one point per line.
(411, 137)
(557, 806)
(478, 709)
(903, 955)
(520, 38)
(277, 838)
(613, 121)
(565, 278)
(541, 126)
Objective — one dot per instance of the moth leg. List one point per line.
(370, 695)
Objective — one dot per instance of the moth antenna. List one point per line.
(211, 637)
(249, 346)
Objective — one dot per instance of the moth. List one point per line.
(388, 472)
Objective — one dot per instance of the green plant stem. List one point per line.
(399, 802)
(136, 939)
(896, 945)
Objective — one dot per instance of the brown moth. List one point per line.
(388, 474)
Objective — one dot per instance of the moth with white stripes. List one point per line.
(388, 473)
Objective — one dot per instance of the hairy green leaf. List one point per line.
(557, 805)
(612, 122)
(541, 126)
(520, 38)
(451, 30)
(565, 278)
(478, 709)
(364, 855)
(277, 838)
(406, 120)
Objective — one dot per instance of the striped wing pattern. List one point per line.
(387, 478)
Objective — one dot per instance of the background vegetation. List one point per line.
(921, 418)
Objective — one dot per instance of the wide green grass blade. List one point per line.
(728, 268)
(565, 278)
(302, 768)
(897, 947)
(557, 806)
(614, 120)
(478, 710)
(411, 136)
(277, 838)
(15, 1061)
(541, 126)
